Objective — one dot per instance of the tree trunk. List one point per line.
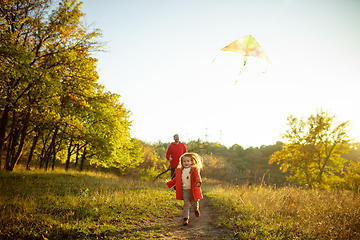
(17, 156)
(8, 152)
(69, 154)
(3, 125)
(13, 137)
(55, 151)
(47, 156)
(46, 137)
(77, 156)
(36, 138)
(54, 158)
(51, 148)
(83, 159)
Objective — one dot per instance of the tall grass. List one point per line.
(81, 205)
(68, 205)
(265, 212)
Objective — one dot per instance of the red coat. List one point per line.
(177, 181)
(175, 151)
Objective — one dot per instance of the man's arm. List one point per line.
(168, 153)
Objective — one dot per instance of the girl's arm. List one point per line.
(171, 183)
(197, 178)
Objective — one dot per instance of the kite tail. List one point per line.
(243, 66)
(215, 58)
(266, 68)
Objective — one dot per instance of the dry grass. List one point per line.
(65, 205)
(264, 212)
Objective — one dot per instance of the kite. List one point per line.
(248, 47)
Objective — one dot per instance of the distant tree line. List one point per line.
(315, 153)
(220, 162)
(51, 105)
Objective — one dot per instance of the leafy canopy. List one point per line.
(312, 149)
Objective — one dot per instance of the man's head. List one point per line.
(176, 138)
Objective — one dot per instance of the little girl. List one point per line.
(188, 182)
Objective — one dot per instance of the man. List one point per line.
(174, 152)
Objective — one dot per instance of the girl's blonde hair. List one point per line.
(196, 161)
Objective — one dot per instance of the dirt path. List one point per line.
(203, 227)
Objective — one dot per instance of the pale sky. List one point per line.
(160, 55)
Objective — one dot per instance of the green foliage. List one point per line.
(313, 150)
(216, 167)
(235, 164)
(351, 179)
(253, 158)
(227, 164)
(51, 105)
(152, 164)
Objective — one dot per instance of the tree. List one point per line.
(107, 132)
(312, 149)
(50, 101)
(37, 50)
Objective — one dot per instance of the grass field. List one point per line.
(267, 212)
(60, 205)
